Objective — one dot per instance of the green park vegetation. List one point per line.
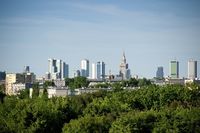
(148, 108)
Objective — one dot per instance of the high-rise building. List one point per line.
(58, 69)
(124, 71)
(128, 73)
(85, 68)
(159, 72)
(94, 71)
(174, 69)
(2, 75)
(26, 69)
(64, 70)
(192, 69)
(98, 70)
(77, 73)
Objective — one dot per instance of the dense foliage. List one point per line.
(170, 108)
(77, 82)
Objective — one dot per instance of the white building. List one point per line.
(59, 83)
(55, 92)
(57, 69)
(94, 71)
(17, 87)
(98, 70)
(192, 69)
(85, 68)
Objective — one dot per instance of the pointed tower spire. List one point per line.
(124, 58)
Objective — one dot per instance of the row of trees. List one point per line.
(79, 82)
(151, 108)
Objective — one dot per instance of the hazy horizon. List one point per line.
(151, 33)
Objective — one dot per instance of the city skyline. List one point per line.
(152, 33)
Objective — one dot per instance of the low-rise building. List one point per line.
(59, 83)
(17, 87)
(56, 92)
(175, 81)
(16, 78)
(12, 78)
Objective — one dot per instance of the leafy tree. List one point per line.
(105, 106)
(69, 82)
(45, 93)
(88, 124)
(134, 122)
(36, 90)
(133, 82)
(117, 87)
(2, 88)
(80, 82)
(2, 92)
(144, 82)
(102, 85)
(48, 83)
(151, 108)
(77, 82)
(24, 94)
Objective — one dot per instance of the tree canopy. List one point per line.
(150, 108)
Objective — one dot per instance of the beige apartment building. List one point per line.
(12, 78)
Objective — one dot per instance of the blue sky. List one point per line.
(151, 32)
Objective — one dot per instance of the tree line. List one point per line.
(150, 108)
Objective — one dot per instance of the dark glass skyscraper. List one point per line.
(159, 72)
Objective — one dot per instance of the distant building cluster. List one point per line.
(14, 82)
(98, 70)
(174, 77)
(58, 70)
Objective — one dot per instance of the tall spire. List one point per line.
(124, 58)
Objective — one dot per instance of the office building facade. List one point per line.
(160, 73)
(26, 69)
(98, 70)
(94, 71)
(192, 69)
(12, 78)
(2, 75)
(85, 68)
(174, 69)
(57, 69)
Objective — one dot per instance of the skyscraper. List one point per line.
(174, 69)
(77, 73)
(85, 68)
(26, 69)
(58, 69)
(98, 70)
(159, 72)
(2, 75)
(124, 71)
(192, 69)
(64, 70)
(94, 71)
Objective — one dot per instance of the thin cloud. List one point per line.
(108, 9)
